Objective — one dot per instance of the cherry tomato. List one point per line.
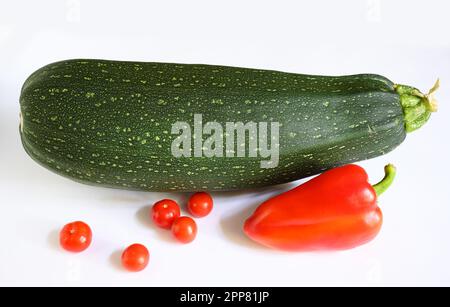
(135, 257)
(164, 212)
(200, 204)
(184, 229)
(75, 237)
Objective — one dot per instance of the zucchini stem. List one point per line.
(430, 96)
(417, 107)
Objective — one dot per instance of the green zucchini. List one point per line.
(109, 123)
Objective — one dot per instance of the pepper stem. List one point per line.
(417, 106)
(389, 175)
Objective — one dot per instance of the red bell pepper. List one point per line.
(336, 210)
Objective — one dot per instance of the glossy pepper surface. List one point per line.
(336, 210)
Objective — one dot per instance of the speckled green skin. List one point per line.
(108, 123)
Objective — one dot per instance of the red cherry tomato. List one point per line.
(135, 257)
(164, 212)
(184, 229)
(75, 237)
(200, 204)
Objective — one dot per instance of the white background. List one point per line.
(407, 41)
